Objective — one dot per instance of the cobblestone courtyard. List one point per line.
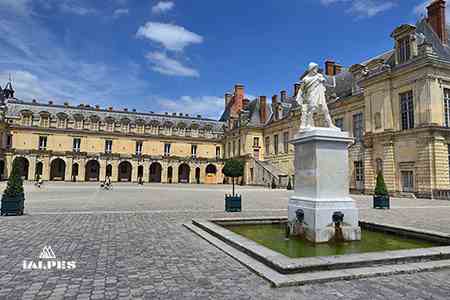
(130, 243)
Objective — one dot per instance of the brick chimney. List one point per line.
(337, 68)
(330, 68)
(283, 96)
(436, 19)
(296, 89)
(263, 109)
(238, 99)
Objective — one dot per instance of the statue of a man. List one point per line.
(311, 97)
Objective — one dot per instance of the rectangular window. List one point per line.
(407, 110)
(359, 174)
(44, 121)
(404, 50)
(267, 146)
(139, 146)
(26, 120)
(167, 149)
(9, 141)
(339, 123)
(62, 123)
(447, 107)
(286, 142)
(78, 124)
(125, 128)
(108, 146)
(194, 150)
(140, 128)
(217, 151)
(109, 126)
(358, 127)
(234, 148)
(408, 181)
(275, 143)
(76, 144)
(42, 143)
(256, 142)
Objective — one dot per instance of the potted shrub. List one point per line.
(13, 197)
(233, 169)
(381, 198)
(289, 185)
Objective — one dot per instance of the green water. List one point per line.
(273, 236)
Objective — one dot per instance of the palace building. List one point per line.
(396, 105)
(85, 143)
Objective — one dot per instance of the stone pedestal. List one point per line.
(322, 186)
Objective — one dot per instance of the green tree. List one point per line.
(233, 168)
(380, 189)
(14, 187)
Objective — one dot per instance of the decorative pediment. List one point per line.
(402, 30)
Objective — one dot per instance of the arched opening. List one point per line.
(23, 166)
(197, 175)
(211, 174)
(38, 171)
(2, 169)
(75, 169)
(140, 171)
(57, 169)
(125, 171)
(183, 173)
(109, 171)
(92, 171)
(155, 172)
(169, 174)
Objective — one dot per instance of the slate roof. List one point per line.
(14, 108)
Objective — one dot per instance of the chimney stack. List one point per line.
(296, 89)
(263, 109)
(283, 96)
(330, 68)
(337, 69)
(238, 102)
(436, 19)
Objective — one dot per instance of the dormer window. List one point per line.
(404, 50)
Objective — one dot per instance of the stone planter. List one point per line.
(13, 205)
(381, 202)
(233, 203)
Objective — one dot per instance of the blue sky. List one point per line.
(183, 55)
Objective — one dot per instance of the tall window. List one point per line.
(194, 150)
(358, 128)
(404, 50)
(26, 120)
(217, 151)
(339, 123)
(42, 143)
(267, 146)
(256, 142)
(408, 181)
(359, 174)
(234, 148)
(239, 147)
(167, 149)
(447, 107)
(9, 141)
(407, 110)
(108, 146)
(109, 126)
(44, 122)
(286, 142)
(62, 123)
(141, 128)
(139, 146)
(76, 144)
(275, 143)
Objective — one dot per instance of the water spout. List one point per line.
(338, 219)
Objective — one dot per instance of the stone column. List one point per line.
(389, 167)
(203, 173)
(32, 167)
(146, 174)
(175, 172)
(114, 170)
(68, 173)
(81, 170)
(441, 166)
(164, 172)
(134, 171)
(192, 167)
(424, 178)
(103, 162)
(45, 168)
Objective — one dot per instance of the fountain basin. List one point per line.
(428, 246)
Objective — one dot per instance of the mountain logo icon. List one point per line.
(47, 253)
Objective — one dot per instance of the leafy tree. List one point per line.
(380, 189)
(14, 187)
(233, 168)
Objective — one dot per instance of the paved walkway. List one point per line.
(130, 243)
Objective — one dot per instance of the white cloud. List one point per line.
(172, 37)
(162, 7)
(364, 8)
(207, 106)
(121, 12)
(163, 64)
(75, 8)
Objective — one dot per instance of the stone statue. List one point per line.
(311, 97)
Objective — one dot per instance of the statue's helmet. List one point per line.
(312, 66)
